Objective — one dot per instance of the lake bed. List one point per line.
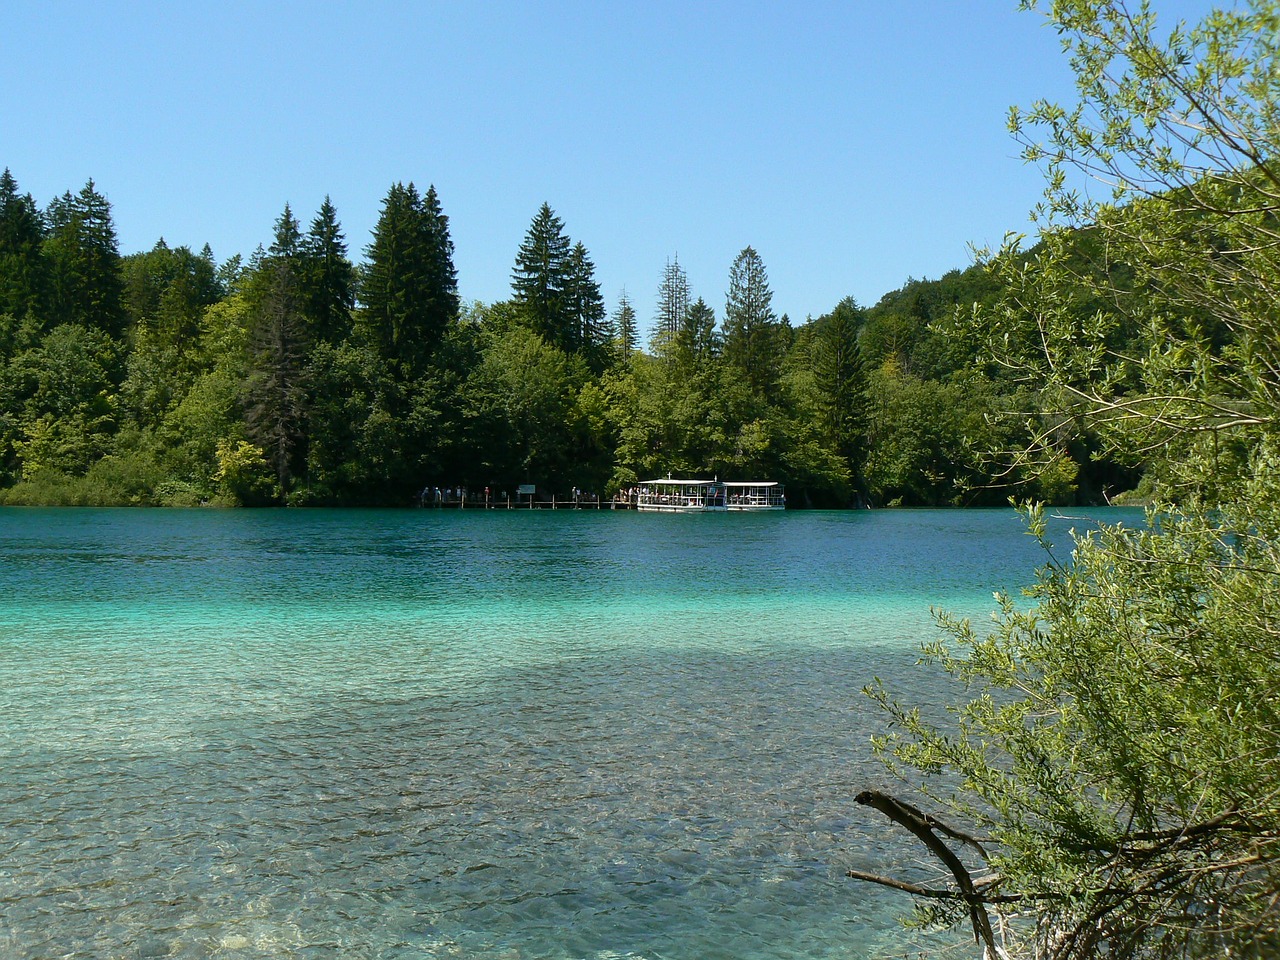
(341, 733)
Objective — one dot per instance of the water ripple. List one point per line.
(384, 735)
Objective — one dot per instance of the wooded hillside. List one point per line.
(302, 376)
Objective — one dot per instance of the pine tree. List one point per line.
(540, 279)
(84, 260)
(752, 337)
(328, 278)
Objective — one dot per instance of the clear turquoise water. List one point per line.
(419, 734)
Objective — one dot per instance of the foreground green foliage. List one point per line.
(1119, 754)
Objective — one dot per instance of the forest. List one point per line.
(301, 376)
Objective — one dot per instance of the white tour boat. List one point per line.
(707, 496)
(754, 495)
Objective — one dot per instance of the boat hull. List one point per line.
(678, 508)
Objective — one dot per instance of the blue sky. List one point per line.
(853, 144)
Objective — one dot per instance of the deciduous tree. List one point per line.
(1118, 756)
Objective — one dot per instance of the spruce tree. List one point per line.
(22, 267)
(752, 332)
(288, 236)
(540, 279)
(673, 304)
(392, 274)
(585, 308)
(409, 294)
(230, 274)
(840, 376)
(696, 339)
(625, 336)
(166, 292)
(275, 407)
(279, 344)
(328, 278)
(84, 260)
(441, 307)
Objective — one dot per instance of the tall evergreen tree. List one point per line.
(696, 339)
(275, 409)
(230, 273)
(22, 268)
(841, 380)
(673, 304)
(84, 260)
(328, 278)
(275, 405)
(585, 307)
(752, 332)
(166, 291)
(288, 236)
(393, 274)
(441, 308)
(409, 294)
(626, 337)
(540, 279)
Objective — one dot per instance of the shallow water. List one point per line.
(416, 734)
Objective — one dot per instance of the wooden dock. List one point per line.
(525, 503)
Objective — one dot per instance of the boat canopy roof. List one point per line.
(702, 483)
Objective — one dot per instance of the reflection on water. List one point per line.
(408, 734)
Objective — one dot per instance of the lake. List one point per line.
(421, 734)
